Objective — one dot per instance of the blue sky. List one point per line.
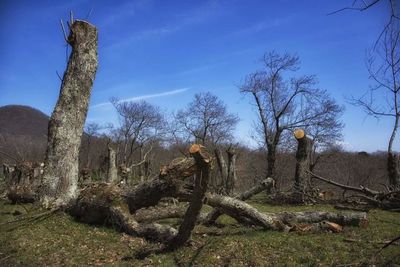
(167, 51)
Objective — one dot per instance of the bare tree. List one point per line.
(206, 121)
(140, 125)
(382, 100)
(363, 5)
(91, 130)
(284, 104)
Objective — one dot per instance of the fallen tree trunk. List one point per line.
(287, 218)
(107, 203)
(104, 204)
(284, 221)
(158, 213)
(265, 185)
(342, 218)
(238, 209)
(169, 183)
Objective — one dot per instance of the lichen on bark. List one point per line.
(60, 179)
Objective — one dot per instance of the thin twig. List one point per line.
(64, 32)
(34, 216)
(363, 190)
(144, 158)
(391, 242)
(386, 243)
(71, 17)
(59, 77)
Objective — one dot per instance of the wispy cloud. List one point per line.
(142, 35)
(196, 16)
(125, 11)
(143, 97)
(195, 70)
(264, 25)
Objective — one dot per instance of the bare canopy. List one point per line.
(285, 103)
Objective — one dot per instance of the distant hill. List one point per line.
(23, 134)
(19, 120)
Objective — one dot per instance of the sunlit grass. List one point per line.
(59, 240)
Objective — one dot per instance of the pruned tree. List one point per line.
(207, 121)
(382, 100)
(301, 175)
(60, 179)
(284, 104)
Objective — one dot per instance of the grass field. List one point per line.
(58, 240)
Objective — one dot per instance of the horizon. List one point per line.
(174, 51)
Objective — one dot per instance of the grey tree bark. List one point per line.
(231, 178)
(60, 179)
(238, 209)
(393, 161)
(223, 170)
(104, 204)
(112, 174)
(203, 166)
(265, 184)
(284, 221)
(302, 176)
(169, 183)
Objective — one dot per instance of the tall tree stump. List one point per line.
(302, 176)
(60, 179)
(112, 172)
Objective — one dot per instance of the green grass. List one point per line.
(58, 240)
